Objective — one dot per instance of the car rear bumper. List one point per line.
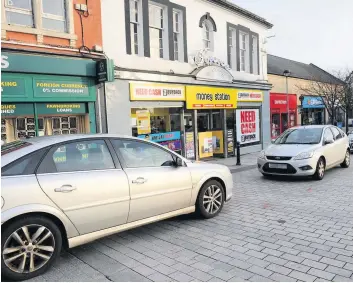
(304, 167)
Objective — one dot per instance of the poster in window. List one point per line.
(248, 125)
(217, 141)
(189, 145)
(230, 142)
(205, 144)
(143, 119)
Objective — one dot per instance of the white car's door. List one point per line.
(340, 145)
(329, 148)
(86, 181)
(157, 186)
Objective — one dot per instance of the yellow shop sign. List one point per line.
(203, 97)
(156, 92)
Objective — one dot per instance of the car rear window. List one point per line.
(13, 146)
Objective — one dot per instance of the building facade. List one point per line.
(309, 109)
(190, 75)
(49, 55)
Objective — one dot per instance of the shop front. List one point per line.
(36, 101)
(157, 113)
(206, 109)
(279, 112)
(313, 110)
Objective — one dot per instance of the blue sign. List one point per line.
(161, 137)
(313, 102)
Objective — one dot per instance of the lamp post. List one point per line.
(301, 98)
(287, 73)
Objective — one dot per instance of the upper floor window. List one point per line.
(134, 26)
(254, 54)
(244, 52)
(232, 41)
(54, 15)
(176, 34)
(207, 35)
(19, 12)
(158, 40)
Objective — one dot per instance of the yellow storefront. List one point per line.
(209, 107)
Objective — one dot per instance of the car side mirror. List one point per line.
(329, 141)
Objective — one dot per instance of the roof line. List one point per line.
(322, 70)
(242, 11)
(287, 59)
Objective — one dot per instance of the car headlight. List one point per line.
(262, 154)
(304, 155)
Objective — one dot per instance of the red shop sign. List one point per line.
(278, 101)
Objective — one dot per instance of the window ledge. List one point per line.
(42, 32)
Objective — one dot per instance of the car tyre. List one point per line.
(210, 200)
(267, 176)
(35, 242)
(320, 169)
(347, 160)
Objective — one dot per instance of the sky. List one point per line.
(308, 31)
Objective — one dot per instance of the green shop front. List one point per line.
(46, 95)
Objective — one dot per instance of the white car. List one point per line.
(65, 191)
(306, 151)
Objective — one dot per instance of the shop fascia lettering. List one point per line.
(280, 102)
(62, 88)
(8, 108)
(140, 91)
(63, 108)
(4, 62)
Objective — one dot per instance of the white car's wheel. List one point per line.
(320, 169)
(347, 160)
(211, 199)
(29, 247)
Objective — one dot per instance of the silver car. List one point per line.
(306, 151)
(65, 191)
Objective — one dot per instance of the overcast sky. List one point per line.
(309, 31)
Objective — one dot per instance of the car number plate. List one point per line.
(277, 166)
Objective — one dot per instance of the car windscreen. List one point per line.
(300, 136)
(13, 146)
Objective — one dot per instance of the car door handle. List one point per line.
(139, 181)
(65, 189)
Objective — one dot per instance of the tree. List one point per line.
(346, 99)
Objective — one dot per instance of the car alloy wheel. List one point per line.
(28, 248)
(321, 169)
(212, 199)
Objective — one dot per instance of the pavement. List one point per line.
(272, 230)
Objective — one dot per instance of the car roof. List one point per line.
(37, 143)
(311, 127)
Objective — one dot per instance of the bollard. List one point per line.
(238, 154)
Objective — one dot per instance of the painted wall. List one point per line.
(15, 36)
(114, 41)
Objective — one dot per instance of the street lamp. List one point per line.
(287, 73)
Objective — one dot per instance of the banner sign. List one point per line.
(60, 87)
(203, 97)
(61, 108)
(244, 95)
(143, 119)
(189, 145)
(248, 125)
(172, 145)
(18, 109)
(313, 102)
(156, 92)
(217, 142)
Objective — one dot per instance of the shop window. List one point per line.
(58, 125)
(139, 154)
(160, 125)
(78, 156)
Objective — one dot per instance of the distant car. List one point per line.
(69, 190)
(350, 137)
(306, 151)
